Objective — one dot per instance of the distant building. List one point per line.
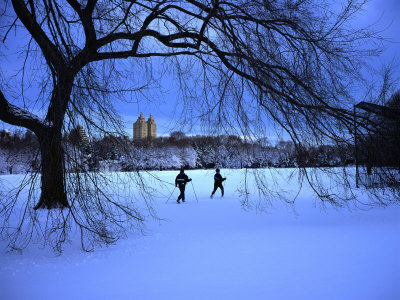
(78, 135)
(143, 129)
(140, 128)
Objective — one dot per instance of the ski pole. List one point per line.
(194, 192)
(171, 194)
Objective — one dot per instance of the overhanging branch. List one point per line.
(16, 116)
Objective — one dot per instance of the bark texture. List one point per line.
(53, 192)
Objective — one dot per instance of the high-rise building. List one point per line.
(82, 134)
(140, 128)
(78, 135)
(143, 129)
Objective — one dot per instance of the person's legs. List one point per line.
(182, 194)
(214, 190)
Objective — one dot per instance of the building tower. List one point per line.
(82, 134)
(140, 128)
(78, 136)
(151, 128)
(144, 130)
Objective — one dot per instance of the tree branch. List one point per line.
(16, 116)
(53, 57)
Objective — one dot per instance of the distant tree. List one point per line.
(177, 135)
(5, 136)
(394, 101)
(287, 62)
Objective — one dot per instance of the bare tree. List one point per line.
(249, 64)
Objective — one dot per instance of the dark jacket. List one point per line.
(181, 179)
(218, 178)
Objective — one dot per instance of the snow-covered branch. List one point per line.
(16, 116)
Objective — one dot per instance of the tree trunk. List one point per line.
(53, 191)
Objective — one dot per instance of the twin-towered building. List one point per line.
(143, 129)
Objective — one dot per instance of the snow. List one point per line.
(18, 163)
(214, 249)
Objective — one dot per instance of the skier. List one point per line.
(180, 181)
(218, 183)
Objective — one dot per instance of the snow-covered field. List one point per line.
(214, 249)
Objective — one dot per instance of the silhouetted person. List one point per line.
(218, 183)
(180, 181)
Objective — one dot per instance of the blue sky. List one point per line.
(385, 14)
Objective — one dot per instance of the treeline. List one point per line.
(211, 152)
(18, 151)
(17, 140)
